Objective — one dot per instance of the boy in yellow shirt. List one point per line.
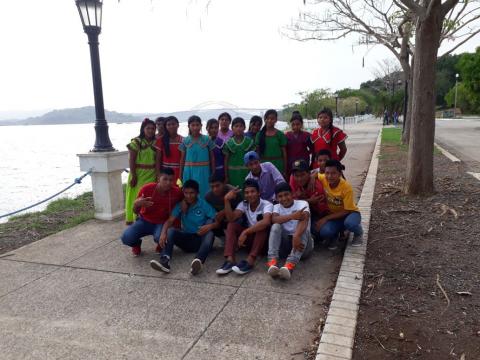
(344, 213)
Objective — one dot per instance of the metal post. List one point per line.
(102, 140)
(336, 105)
(456, 88)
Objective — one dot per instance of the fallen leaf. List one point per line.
(464, 293)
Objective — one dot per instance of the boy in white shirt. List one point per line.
(290, 232)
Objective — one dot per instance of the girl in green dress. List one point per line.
(271, 143)
(142, 165)
(234, 150)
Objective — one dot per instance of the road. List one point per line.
(462, 139)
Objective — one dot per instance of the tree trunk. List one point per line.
(419, 178)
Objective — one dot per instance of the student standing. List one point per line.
(154, 204)
(168, 152)
(196, 235)
(224, 121)
(328, 136)
(254, 126)
(344, 213)
(142, 155)
(290, 233)
(299, 145)
(212, 129)
(258, 213)
(160, 124)
(234, 150)
(271, 143)
(197, 161)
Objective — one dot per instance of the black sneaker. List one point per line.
(242, 268)
(357, 240)
(333, 245)
(195, 266)
(162, 265)
(226, 268)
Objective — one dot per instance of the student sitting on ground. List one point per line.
(344, 212)
(320, 160)
(309, 188)
(153, 206)
(258, 213)
(266, 174)
(290, 232)
(196, 233)
(215, 197)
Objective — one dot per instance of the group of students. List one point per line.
(260, 189)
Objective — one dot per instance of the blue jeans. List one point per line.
(351, 222)
(132, 236)
(188, 242)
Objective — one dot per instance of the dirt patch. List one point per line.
(421, 293)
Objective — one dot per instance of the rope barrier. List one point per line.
(75, 182)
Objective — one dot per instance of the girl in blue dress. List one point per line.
(197, 161)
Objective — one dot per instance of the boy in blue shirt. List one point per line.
(198, 221)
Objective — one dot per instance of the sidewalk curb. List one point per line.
(446, 153)
(338, 335)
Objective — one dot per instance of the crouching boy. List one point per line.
(196, 234)
(290, 232)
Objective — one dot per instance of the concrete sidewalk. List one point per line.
(79, 294)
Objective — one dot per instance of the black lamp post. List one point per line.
(91, 15)
(356, 107)
(336, 104)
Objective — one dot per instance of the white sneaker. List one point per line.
(196, 266)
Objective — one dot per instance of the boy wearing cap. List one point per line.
(196, 235)
(258, 214)
(290, 232)
(266, 174)
(309, 188)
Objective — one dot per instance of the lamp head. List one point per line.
(91, 14)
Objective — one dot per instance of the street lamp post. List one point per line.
(91, 15)
(455, 105)
(356, 107)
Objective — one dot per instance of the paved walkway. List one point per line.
(79, 294)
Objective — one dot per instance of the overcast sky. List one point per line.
(168, 55)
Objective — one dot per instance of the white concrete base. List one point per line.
(107, 168)
(450, 156)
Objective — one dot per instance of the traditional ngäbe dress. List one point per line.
(237, 171)
(145, 172)
(273, 149)
(328, 139)
(172, 161)
(219, 157)
(299, 147)
(197, 161)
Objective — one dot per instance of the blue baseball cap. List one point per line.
(250, 156)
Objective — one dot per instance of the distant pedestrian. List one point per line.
(254, 126)
(395, 118)
(212, 129)
(299, 144)
(234, 150)
(197, 161)
(142, 154)
(385, 117)
(224, 121)
(168, 152)
(329, 137)
(271, 143)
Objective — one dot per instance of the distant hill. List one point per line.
(86, 115)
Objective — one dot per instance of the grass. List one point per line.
(59, 215)
(392, 136)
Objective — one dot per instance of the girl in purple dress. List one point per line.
(212, 129)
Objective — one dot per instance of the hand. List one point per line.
(298, 215)
(297, 243)
(315, 198)
(163, 240)
(232, 194)
(144, 201)
(184, 206)
(133, 181)
(242, 239)
(202, 230)
(320, 223)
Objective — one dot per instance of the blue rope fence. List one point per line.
(75, 182)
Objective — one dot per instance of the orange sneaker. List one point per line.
(272, 268)
(285, 271)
